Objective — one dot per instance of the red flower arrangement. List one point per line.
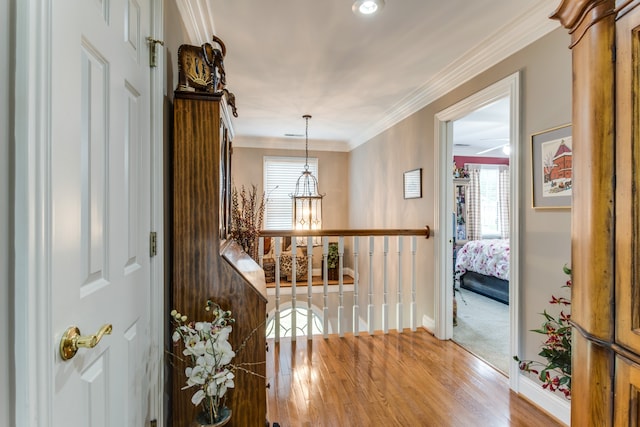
(556, 349)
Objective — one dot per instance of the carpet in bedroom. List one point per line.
(483, 328)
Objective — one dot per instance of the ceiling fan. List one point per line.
(505, 149)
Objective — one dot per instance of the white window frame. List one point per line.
(487, 167)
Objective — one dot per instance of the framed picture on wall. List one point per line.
(412, 181)
(551, 168)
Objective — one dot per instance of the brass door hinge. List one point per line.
(153, 52)
(153, 244)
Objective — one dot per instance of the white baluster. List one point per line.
(413, 283)
(370, 313)
(309, 288)
(277, 268)
(356, 306)
(385, 295)
(294, 273)
(340, 286)
(399, 317)
(325, 286)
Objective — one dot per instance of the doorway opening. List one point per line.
(485, 125)
(481, 149)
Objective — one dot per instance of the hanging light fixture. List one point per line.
(307, 201)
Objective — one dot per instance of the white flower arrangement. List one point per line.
(207, 346)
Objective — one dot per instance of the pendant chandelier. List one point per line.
(307, 201)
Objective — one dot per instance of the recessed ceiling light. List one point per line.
(367, 7)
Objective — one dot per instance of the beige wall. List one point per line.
(333, 178)
(6, 266)
(545, 237)
(175, 35)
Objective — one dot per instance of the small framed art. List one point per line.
(412, 181)
(551, 168)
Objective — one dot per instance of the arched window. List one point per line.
(286, 316)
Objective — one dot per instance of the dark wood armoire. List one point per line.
(204, 264)
(605, 43)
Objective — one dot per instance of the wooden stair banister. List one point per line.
(426, 232)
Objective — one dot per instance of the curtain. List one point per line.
(474, 225)
(503, 201)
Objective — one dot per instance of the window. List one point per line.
(489, 202)
(280, 177)
(286, 322)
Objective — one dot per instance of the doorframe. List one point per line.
(157, 292)
(443, 189)
(33, 337)
(34, 340)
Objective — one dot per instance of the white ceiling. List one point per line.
(356, 76)
(484, 132)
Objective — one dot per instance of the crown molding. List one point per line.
(289, 143)
(197, 17)
(531, 26)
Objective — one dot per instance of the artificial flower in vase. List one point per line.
(555, 374)
(209, 354)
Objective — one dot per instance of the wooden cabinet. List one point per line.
(204, 265)
(606, 210)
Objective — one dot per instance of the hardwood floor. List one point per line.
(408, 379)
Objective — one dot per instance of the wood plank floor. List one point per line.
(409, 379)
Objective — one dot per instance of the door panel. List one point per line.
(100, 192)
(627, 384)
(93, 411)
(93, 178)
(627, 182)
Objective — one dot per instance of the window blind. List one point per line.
(280, 177)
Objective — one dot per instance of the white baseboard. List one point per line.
(551, 403)
(428, 323)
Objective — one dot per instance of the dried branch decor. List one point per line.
(247, 214)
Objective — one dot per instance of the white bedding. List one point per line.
(488, 257)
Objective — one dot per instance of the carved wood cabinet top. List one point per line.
(575, 13)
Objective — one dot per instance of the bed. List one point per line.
(482, 266)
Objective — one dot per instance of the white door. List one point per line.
(100, 196)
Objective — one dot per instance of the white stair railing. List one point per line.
(278, 251)
(309, 289)
(356, 295)
(413, 315)
(370, 307)
(399, 305)
(333, 295)
(341, 325)
(325, 287)
(385, 285)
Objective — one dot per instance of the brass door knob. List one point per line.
(71, 340)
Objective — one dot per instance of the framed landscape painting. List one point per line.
(551, 168)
